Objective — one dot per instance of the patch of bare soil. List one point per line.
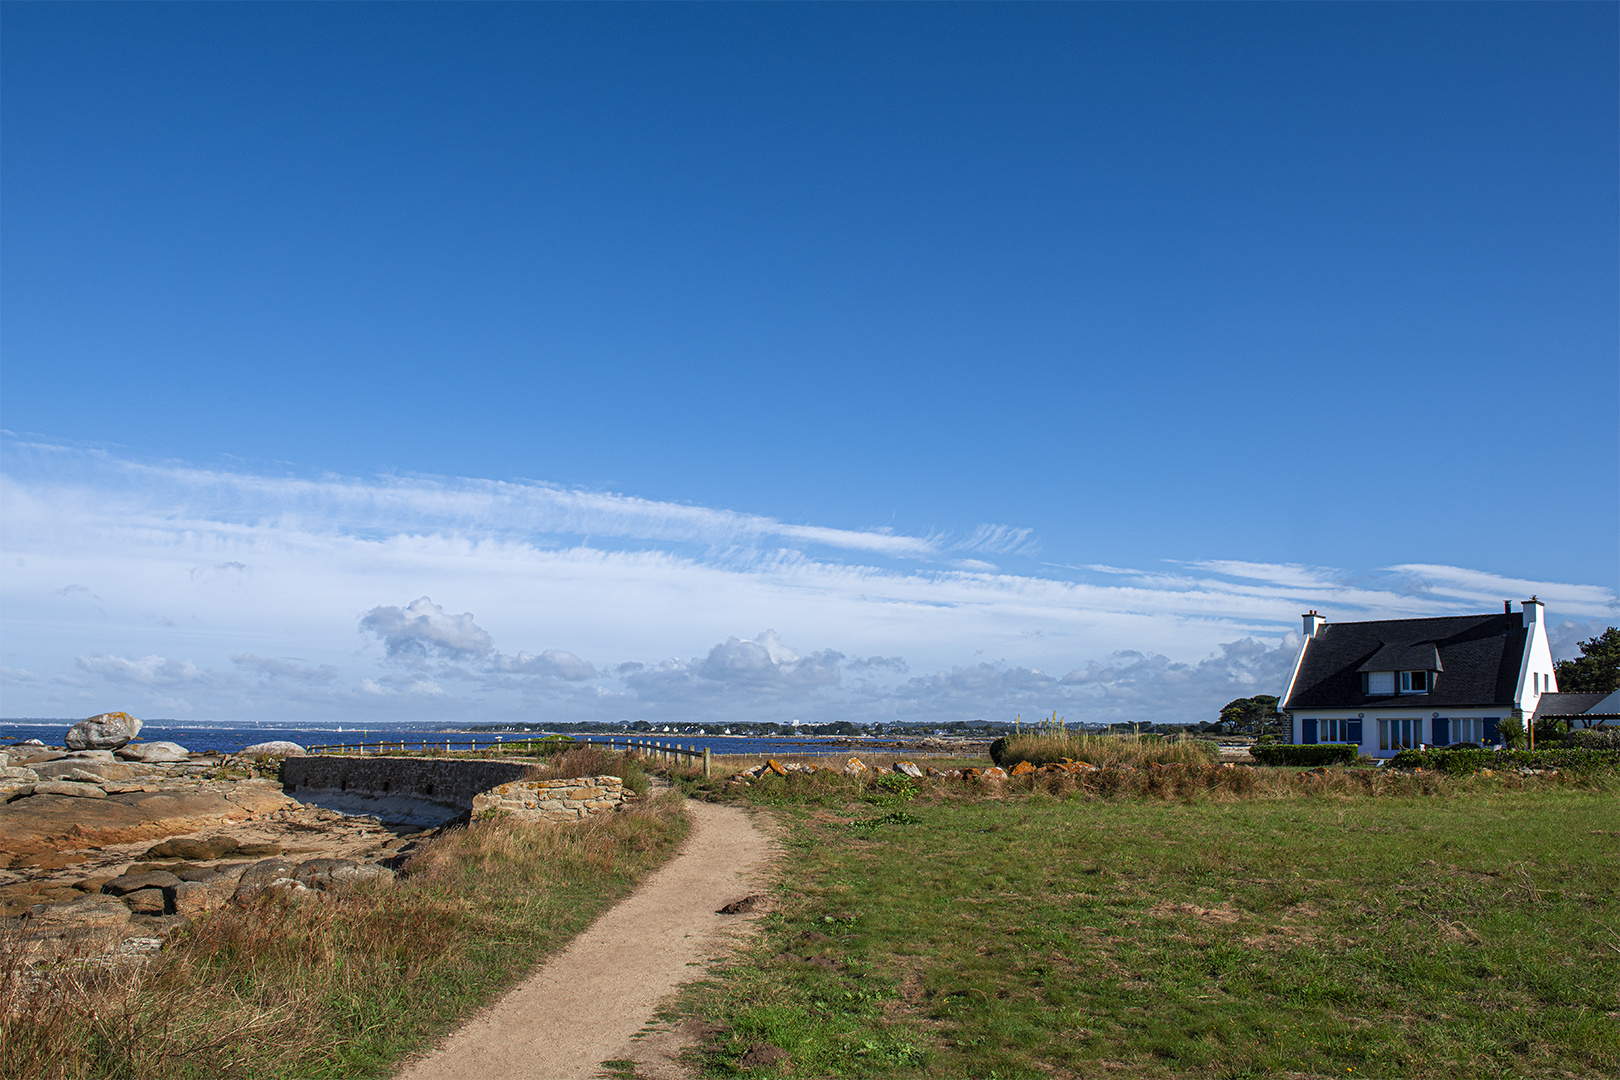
(1210, 916)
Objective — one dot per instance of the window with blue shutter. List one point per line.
(1442, 732)
(1492, 736)
(1352, 731)
(1307, 732)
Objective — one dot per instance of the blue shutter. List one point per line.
(1307, 732)
(1442, 732)
(1353, 734)
(1491, 735)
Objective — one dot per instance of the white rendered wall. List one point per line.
(1537, 661)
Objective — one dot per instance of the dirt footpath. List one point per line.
(585, 1005)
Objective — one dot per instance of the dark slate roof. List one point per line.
(1566, 704)
(1479, 656)
(1403, 657)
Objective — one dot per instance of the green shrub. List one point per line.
(1467, 761)
(891, 789)
(1305, 756)
(1607, 738)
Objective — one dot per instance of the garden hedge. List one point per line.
(1467, 761)
(1306, 756)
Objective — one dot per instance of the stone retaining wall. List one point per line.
(553, 800)
(446, 781)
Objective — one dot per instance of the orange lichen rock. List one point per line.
(994, 772)
(854, 767)
(1023, 768)
(772, 766)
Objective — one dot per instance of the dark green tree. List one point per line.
(1596, 670)
(1250, 713)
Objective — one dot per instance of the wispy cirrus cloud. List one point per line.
(197, 576)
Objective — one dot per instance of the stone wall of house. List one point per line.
(452, 782)
(553, 800)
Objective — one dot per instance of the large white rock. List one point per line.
(108, 731)
(154, 752)
(274, 748)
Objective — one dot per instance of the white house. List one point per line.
(1398, 683)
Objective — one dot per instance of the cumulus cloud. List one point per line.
(553, 663)
(423, 630)
(738, 670)
(1125, 687)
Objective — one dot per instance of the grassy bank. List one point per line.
(337, 986)
(1045, 746)
(1433, 927)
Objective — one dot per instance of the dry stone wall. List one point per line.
(446, 781)
(553, 800)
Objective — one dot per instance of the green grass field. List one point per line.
(1472, 931)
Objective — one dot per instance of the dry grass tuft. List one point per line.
(591, 759)
(1041, 748)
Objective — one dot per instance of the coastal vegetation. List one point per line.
(1348, 922)
(1048, 745)
(1596, 670)
(340, 986)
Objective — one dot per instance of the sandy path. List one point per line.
(584, 1005)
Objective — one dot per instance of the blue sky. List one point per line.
(880, 361)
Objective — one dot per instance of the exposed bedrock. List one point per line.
(54, 822)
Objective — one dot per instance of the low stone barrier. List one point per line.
(446, 781)
(553, 800)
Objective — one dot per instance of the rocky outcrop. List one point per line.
(325, 875)
(108, 731)
(50, 821)
(84, 924)
(155, 752)
(72, 768)
(337, 874)
(69, 789)
(275, 748)
(97, 847)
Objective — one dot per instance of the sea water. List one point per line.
(230, 738)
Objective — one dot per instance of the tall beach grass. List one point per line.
(1045, 746)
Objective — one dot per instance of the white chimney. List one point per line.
(1533, 611)
(1313, 623)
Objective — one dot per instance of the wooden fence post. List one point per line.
(707, 764)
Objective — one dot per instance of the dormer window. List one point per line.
(1400, 668)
